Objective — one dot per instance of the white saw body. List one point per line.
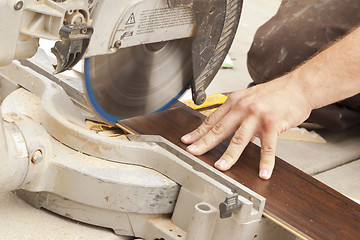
(139, 56)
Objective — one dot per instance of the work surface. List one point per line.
(292, 196)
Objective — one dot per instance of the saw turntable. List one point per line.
(138, 57)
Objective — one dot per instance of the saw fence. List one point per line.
(294, 200)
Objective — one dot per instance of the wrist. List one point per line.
(305, 87)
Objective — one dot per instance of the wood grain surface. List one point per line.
(292, 196)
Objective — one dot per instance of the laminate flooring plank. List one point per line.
(291, 195)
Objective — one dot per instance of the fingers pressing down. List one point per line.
(267, 158)
(237, 145)
(207, 125)
(247, 119)
(213, 135)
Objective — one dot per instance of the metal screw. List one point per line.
(199, 97)
(117, 44)
(37, 156)
(18, 5)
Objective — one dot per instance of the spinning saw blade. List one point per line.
(141, 79)
(138, 80)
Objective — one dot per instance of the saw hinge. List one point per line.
(75, 39)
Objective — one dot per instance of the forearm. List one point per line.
(332, 75)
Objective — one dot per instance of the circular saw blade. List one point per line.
(138, 80)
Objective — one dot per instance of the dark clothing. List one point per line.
(298, 31)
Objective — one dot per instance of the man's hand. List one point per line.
(262, 111)
(266, 110)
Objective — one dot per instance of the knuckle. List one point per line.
(241, 104)
(202, 129)
(199, 131)
(232, 98)
(209, 121)
(254, 109)
(238, 139)
(230, 157)
(217, 129)
(204, 142)
(268, 150)
(268, 119)
(251, 108)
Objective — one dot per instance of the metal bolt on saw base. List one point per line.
(117, 44)
(18, 5)
(37, 157)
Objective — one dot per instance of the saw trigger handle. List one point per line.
(69, 51)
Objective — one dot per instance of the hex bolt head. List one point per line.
(18, 5)
(117, 44)
(199, 97)
(37, 156)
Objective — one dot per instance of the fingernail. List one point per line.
(192, 148)
(264, 174)
(186, 137)
(221, 164)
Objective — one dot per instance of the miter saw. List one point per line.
(138, 57)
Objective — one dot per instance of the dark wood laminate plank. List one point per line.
(291, 195)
